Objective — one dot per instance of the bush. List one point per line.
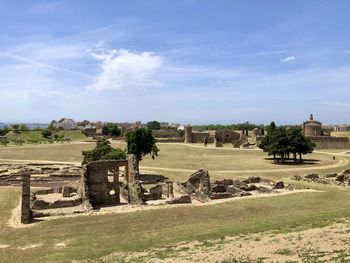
(103, 151)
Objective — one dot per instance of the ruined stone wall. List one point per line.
(26, 213)
(165, 133)
(133, 180)
(330, 142)
(188, 134)
(198, 137)
(97, 188)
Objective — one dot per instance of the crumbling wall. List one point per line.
(135, 192)
(330, 142)
(26, 213)
(96, 186)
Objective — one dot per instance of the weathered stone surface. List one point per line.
(245, 193)
(221, 195)
(311, 176)
(155, 193)
(198, 185)
(330, 175)
(95, 185)
(235, 191)
(136, 196)
(279, 185)
(219, 188)
(297, 177)
(248, 188)
(252, 180)
(168, 189)
(67, 191)
(263, 189)
(185, 199)
(26, 213)
(239, 184)
(40, 204)
(224, 182)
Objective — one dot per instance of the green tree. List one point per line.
(103, 151)
(47, 133)
(23, 127)
(105, 130)
(15, 127)
(111, 129)
(282, 142)
(153, 125)
(141, 143)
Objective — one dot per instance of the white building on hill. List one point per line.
(66, 124)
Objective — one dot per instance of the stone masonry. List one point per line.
(26, 214)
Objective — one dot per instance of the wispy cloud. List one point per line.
(289, 59)
(122, 69)
(40, 64)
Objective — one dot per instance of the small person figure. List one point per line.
(333, 157)
(205, 142)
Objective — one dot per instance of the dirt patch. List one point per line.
(327, 244)
(31, 246)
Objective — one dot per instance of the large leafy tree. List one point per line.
(282, 142)
(103, 151)
(141, 143)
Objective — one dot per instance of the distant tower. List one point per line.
(188, 134)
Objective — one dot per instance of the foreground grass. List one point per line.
(94, 236)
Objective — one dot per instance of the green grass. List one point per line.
(36, 135)
(219, 162)
(95, 236)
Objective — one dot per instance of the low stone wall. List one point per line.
(330, 142)
(165, 133)
(198, 137)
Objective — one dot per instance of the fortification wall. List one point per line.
(330, 142)
(165, 133)
(198, 137)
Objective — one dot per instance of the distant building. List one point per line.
(342, 128)
(312, 127)
(66, 124)
(321, 136)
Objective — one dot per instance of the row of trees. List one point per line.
(283, 143)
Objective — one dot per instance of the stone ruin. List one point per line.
(341, 179)
(118, 182)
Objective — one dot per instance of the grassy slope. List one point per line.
(36, 135)
(96, 236)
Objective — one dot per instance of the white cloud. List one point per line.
(122, 69)
(289, 59)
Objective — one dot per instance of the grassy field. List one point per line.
(178, 161)
(36, 135)
(95, 236)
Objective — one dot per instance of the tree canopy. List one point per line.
(111, 129)
(281, 142)
(153, 125)
(103, 151)
(141, 142)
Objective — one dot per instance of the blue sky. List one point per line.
(186, 61)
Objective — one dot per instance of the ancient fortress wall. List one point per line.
(330, 142)
(198, 137)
